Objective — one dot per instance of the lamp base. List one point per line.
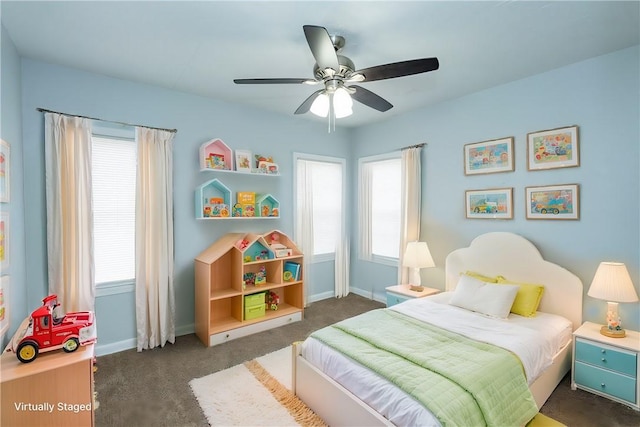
(615, 333)
(416, 288)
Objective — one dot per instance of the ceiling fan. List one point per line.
(337, 73)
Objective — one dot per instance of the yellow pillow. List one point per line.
(481, 277)
(527, 299)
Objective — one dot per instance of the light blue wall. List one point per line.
(601, 96)
(197, 119)
(11, 132)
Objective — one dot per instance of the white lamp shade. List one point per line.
(342, 103)
(612, 283)
(320, 106)
(417, 255)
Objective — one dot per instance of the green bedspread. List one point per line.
(463, 382)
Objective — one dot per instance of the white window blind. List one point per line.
(114, 208)
(323, 184)
(380, 204)
(327, 206)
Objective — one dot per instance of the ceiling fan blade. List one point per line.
(270, 81)
(370, 99)
(306, 105)
(399, 69)
(321, 47)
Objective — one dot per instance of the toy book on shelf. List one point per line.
(265, 165)
(291, 271)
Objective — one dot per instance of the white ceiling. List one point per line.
(200, 47)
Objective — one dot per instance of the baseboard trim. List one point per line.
(128, 344)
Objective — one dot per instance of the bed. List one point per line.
(346, 392)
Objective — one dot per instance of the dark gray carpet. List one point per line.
(152, 388)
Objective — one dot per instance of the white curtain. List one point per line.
(69, 211)
(342, 267)
(303, 234)
(155, 303)
(411, 193)
(364, 210)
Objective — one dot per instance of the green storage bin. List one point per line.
(254, 299)
(253, 312)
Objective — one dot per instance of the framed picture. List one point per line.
(489, 156)
(5, 171)
(554, 148)
(4, 241)
(243, 161)
(492, 203)
(552, 202)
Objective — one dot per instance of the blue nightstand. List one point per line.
(607, 366)
(399, 293)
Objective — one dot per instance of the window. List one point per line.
(379, 200)
(114, 206)
(321, 180)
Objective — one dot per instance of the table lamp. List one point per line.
(613, 284)
(417, 256)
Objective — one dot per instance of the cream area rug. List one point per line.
(255, 393)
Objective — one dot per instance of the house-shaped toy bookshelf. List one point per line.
(215, 154)
(220, 288)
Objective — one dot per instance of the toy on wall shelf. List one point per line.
(237, 210)
(242, 244)
(273, 300)
(48, 329)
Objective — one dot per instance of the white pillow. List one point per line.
(486, 298)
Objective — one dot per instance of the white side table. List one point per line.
(399, 293)
(606, 366)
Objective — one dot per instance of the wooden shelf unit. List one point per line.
(219, 289)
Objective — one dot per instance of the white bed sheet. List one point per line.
(403, 410)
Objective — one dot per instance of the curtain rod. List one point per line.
(44, 110)
(414, 146)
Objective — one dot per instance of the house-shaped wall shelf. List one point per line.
(216, 155)
(267, 206)
(213, 200)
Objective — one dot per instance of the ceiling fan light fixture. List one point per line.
(342, 103)
(320, 106)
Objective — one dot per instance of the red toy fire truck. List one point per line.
(48, 330)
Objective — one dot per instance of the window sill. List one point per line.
(114, 288)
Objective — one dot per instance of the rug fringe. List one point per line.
(296, 407)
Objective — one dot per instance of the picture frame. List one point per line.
(489, 156)
(553, 202)
(490, 203)
(243, 161)
(5, 251)
(553, 148)
(5, 171)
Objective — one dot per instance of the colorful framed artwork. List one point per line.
(4, 241)
(243, 161)
(553, 202)
(5, 171)
(489, 156)
(492, 203)
(553, 148)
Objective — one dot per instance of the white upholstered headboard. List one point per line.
(514, 257)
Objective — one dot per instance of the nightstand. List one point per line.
(399, 293)
(607, 366)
